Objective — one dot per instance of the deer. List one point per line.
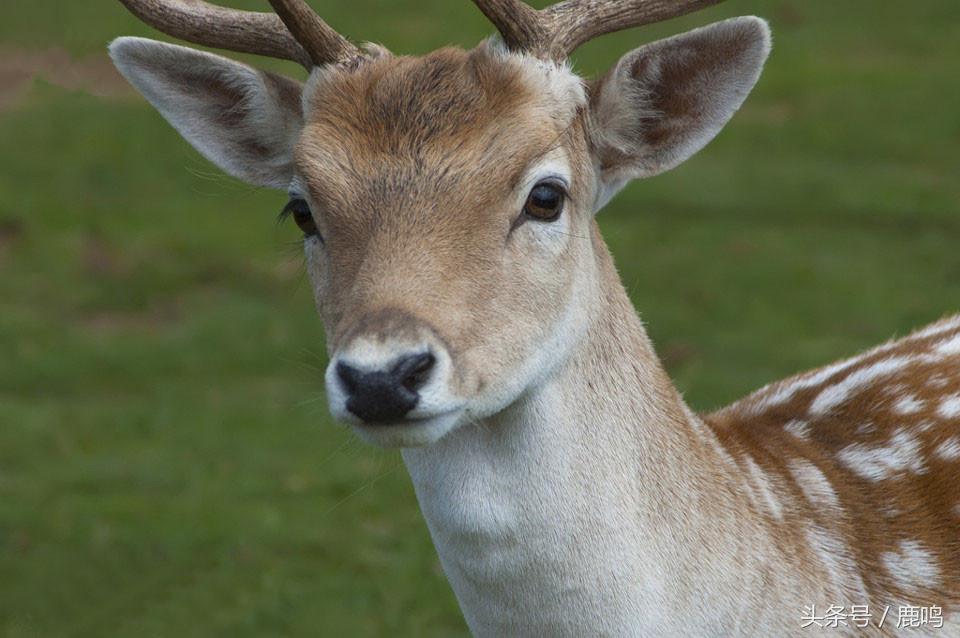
(474, 319)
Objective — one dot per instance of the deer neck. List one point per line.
(588, 500)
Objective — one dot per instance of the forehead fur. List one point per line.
(442, 93)
(445, 111)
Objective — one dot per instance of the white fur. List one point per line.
(912, 567)
(778, 393)
(549, 523)
(556, 79)
(949, 347)
(836, 394)
(567, 330)
(552, 237)
(908, 405)
(877, 463)
(938, 328)
(786, 391)
(949, 450)
(437, 411)
(815, 486)
(798, 428)
(890, 511)
(949, 408)
(835, 556)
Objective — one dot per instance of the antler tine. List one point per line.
(556, 31)
(322, 43)
(575, 22)
(520, 26)
(255, 32)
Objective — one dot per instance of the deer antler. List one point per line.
(322, 43)
(295, 33)
(556, 31)
(521, 27)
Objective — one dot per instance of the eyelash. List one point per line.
(298, 208)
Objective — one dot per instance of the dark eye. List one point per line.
(545, 202)
(300, 211)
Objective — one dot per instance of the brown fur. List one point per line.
(875, 515)
(415, 164)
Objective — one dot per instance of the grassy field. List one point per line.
(167, 467)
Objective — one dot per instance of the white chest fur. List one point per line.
(553, 521)
(527, 549)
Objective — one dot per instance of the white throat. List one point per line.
(579, 510)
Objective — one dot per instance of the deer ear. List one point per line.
(243, 120)
(663, 102)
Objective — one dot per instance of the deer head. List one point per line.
(446, 201)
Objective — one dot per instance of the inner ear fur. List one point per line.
(664, 101)
(244, 120)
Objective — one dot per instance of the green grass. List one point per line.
(167, 467)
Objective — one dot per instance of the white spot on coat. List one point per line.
(912, 567)
(814, 485)
(799, 429)
(946, 325)
(876, 463)
(950, 407)
(949, 450)
(949, 346)
(836, 394)
(785, 393)
(908, 405)
(890, 511)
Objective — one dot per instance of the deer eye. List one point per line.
(302, 217)
(545, 202)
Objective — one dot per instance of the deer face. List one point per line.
(453, 205)
(447, 201)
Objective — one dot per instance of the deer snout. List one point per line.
(394, 382)
(388, 394)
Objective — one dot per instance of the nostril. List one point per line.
(414, 371)
(385, 395)
(349, 376)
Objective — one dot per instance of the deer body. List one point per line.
(475, 319)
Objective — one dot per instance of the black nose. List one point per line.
(386, 396)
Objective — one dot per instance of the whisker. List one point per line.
(361, 489)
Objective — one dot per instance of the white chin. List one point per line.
(415, 433)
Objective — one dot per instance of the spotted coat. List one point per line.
(857, 466)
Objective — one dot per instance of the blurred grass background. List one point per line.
(167, 467)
